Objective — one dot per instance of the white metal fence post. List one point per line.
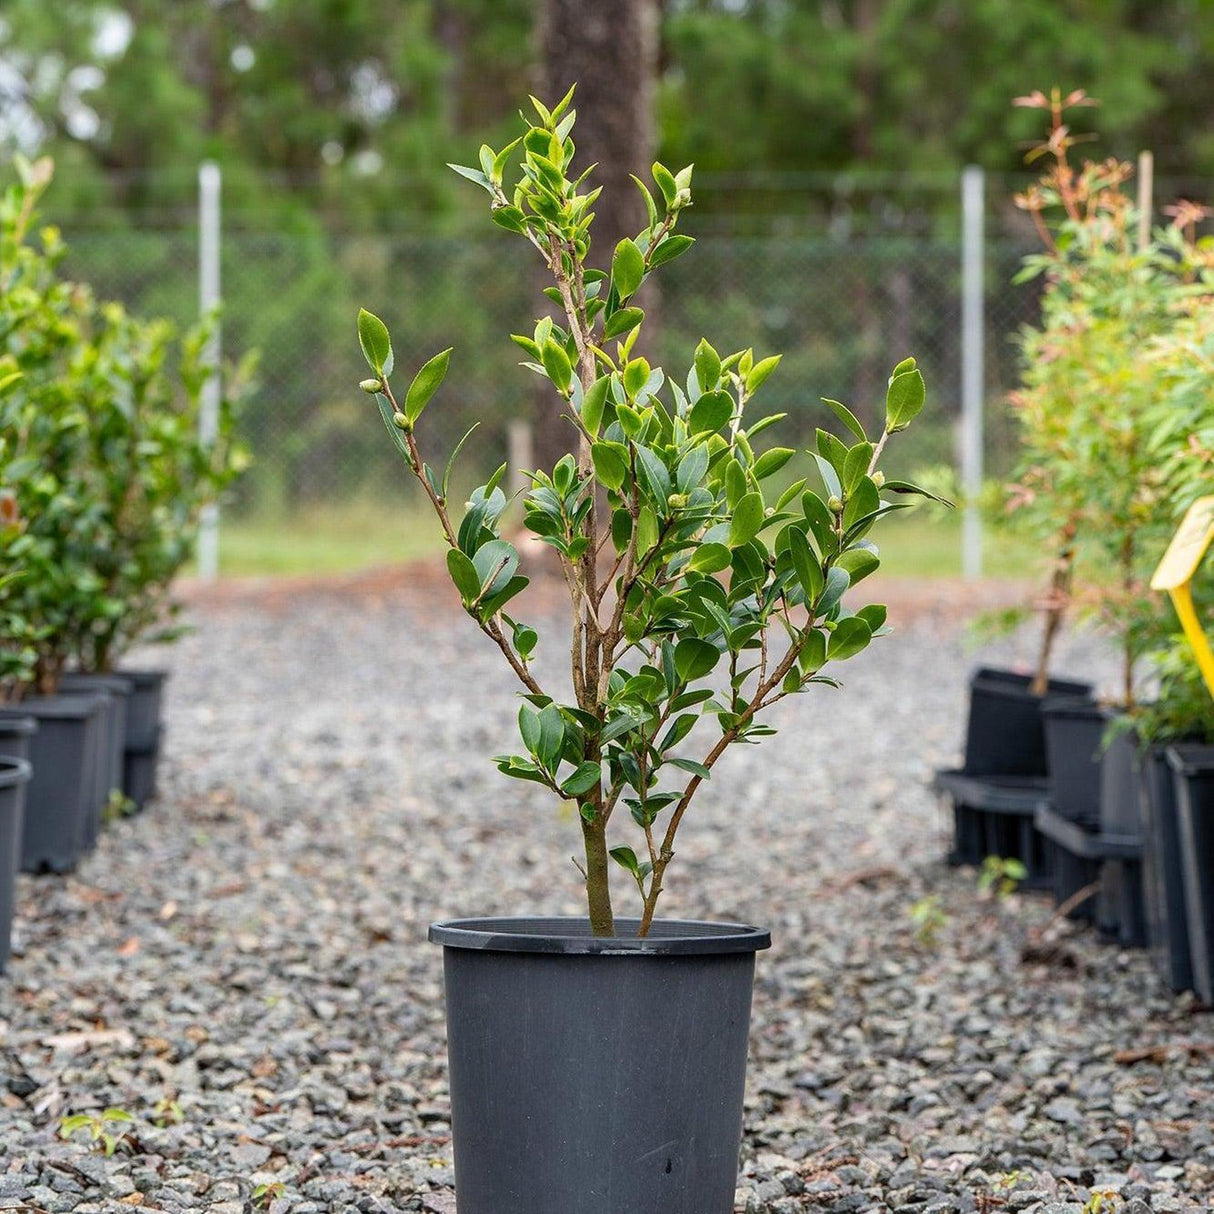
(208, 299)
(973, 191)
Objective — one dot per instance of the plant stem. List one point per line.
(598, 877)
(1059, 598)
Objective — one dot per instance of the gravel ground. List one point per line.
(244, 970)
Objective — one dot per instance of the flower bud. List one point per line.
(401, 422)
(878, 479)
(676, 501)
(371, 386)
(835, 504)
(681, 199)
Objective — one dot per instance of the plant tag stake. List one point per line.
(1175, 575)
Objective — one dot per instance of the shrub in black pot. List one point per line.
(699, 598)
(1005, 732)
(14, 776)
(103, 472)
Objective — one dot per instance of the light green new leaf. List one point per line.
(709, 558)
(622, 321)
(712, 411)
(610, 464)
(375, 342)
(557, 366)
(847, 417)
(593, 404)
(425, 384)
(627, 267)
(747, 519)
(904, 399)
(760, 371)
(708, 366)
(770, 462)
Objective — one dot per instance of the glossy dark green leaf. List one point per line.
(747, 519)
(694, 658)
(850, 636)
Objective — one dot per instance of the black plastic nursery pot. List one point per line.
(1074, 735)
(1163, 873)
(1005, 734)
(596, 1075)
(14, 777)
(993, 816)
(1122, 895)
(61, 793)
(1193, 767)
(15, 735)
(143, 734)
(113, 752)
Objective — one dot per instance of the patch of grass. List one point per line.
(362, 535)
(342, 540)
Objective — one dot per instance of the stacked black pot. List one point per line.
(995, 795)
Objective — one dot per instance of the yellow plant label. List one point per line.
(1188, 546)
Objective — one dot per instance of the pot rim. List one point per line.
(1191, 758)
(76, 681)
(570, 935)
(144, 676)
(17, 725)
(65, 706)
(1015, 683)
(14, 772)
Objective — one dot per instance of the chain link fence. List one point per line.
(842, 299)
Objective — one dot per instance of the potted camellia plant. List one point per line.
(1109, 465)
(97, 468)
(150, 471)
(699, 598)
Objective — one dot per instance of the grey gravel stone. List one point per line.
(253, 946)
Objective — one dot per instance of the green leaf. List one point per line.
(855, 466)
(425, 384)
(587, 776)
(806, 565)
(463, 574)
(665, 182)
(622, 321)
(903, 400)
(627, 268)
(610, 464)
(691, 765)
(837, 582)
(552, 736)
(474, 175)
(670, 248)
(626, 858)
(694, 658)
(848, 639)
(772, 461)
(813, 651)
(830, 478)
(747, 519)
(529, 727)
(708, 366)
(712, 411)
(905, 487)
(859, 563)
(760, 372)
(510, 218)
(525, 640)
(847, 417)
(709, 558)
(692, 468)
(652, 473)
(873, 615)
(496, 563)
(375, 342)
(861, 502)
(593, 404)
(557, 366)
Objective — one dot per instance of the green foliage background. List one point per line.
(827, 136)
